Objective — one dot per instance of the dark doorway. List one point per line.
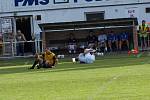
(24, 24)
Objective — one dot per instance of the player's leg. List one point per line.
(18, 49)
(82, 58)
(148, 40)
(105, 45)
(21, 49)
(69, 48)
(127, 43)
(142, 42)
(36, 62)
(102, 47)
(47, 65)
(120, 45)
(145, 42)
(74, 48)
(110, 45)
(116, 44)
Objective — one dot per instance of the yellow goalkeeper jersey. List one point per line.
(49, 57)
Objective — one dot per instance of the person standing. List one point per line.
(143, 34)
(20, 43)
(33, 43)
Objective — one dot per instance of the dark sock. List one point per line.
(34, 64)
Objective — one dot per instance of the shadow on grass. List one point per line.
(14, 70)
(15, 62)
(106, 63)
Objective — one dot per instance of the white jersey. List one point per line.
(88, 58)
(102, 38)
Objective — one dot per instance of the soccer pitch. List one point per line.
(120, 78)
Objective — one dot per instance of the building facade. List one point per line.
(28, 14)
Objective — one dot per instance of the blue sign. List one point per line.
(31, 2)
(45, 2)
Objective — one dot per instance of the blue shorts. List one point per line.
(112, 38)
(123, 36)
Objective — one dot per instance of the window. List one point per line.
(38, 17)
(60, 1)
(94, 16)
(147, 10)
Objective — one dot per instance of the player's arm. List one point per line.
(33, 36)
(23, 37)
(140, 30)
(147, 28)
(42, 56)
(55, 60)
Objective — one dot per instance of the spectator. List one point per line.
(33, 43)
(20, 43)
(46, 60)
(143, 34)
(102, 42)
(112, 41)
(123, 39)
(91, 40)
(72, 43)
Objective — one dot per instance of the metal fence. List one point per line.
(9, 48)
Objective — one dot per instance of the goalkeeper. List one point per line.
(46, 60)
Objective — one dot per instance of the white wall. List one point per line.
(9, 5)
(78, 14)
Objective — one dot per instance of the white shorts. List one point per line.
(72, 47)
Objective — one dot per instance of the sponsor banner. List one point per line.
(26, 5)
(6, 25)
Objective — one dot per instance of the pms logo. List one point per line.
(30, 2)
(43, 2)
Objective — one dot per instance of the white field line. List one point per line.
(102, 88)
(17, 66)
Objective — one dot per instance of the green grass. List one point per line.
(118, 78)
